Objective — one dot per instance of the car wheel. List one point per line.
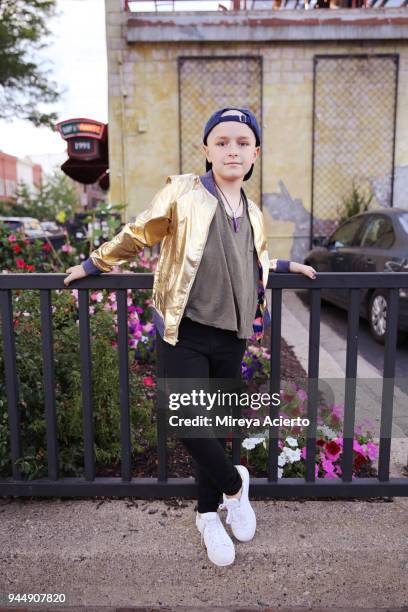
(377, 318)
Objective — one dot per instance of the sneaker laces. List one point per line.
(216, 531)
(233, 508)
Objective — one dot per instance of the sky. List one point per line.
(76, 58)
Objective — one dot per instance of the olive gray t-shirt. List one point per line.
(225, 290)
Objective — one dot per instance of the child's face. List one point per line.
(229, 142)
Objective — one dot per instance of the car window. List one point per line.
(403, 219)
(12, 225)
(346, 235)
(379, 233)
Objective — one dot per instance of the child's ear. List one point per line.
(205, 149)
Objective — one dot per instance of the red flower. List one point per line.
(20, 263)
(16, 248)
(320, 442)
(333, 448)
(30, 267)
(148, 381)
(26, 241)
(46, 247)
(359, 460)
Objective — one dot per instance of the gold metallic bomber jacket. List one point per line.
(179, 215)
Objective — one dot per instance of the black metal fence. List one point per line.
(163, 486)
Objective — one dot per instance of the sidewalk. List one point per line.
(119, 553)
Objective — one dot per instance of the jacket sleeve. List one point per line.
(149, 228)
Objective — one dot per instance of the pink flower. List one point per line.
(97, 296)
(20, 263)
(302, 395)
(328, 467)
(67, 248)
(372, 450)
(139, 309)
(337, 410)
(148, 381)
(148, 327)
(12, 238)
(358, 448)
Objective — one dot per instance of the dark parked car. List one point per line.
(373, 241)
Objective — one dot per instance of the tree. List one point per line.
(354, 203)
(56, 199)
(23, 84)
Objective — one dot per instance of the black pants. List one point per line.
(203, 351)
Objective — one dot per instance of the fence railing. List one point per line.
(162, 485)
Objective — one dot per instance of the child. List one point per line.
(208, 297)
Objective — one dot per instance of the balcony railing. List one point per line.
(139, 6)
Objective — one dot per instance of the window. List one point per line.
(379, 233)
(403, 219)
(346, 234)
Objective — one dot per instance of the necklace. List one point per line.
(234, 219)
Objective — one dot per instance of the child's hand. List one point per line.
(76, 272)
(303, 269)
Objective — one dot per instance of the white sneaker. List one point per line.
(241, 516)
(220, 547)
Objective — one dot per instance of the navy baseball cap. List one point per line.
(248, 118)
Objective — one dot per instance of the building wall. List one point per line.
(144, 123)
(14, 170)
(8, 175)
